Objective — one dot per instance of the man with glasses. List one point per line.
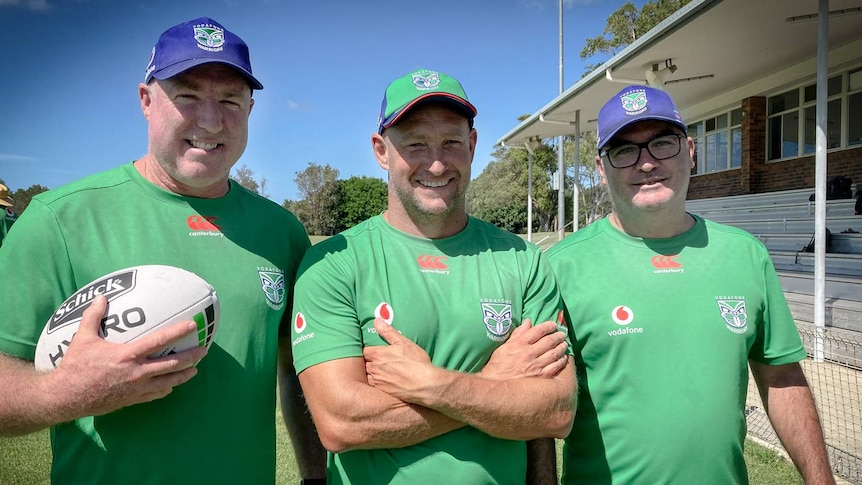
(667, 311)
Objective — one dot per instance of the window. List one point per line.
(792, 122)
(718, 141)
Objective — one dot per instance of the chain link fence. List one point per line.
(837, 387)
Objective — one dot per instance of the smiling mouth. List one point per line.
(203, 146)
(433, 184)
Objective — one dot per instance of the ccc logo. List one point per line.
(661, 261)
(202, 223)
(431, 262)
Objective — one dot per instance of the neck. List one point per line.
(150, 169)
(652, 226)
(427, 226)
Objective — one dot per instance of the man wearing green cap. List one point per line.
(407, 328)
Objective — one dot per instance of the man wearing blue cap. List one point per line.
(667, 311)
(191, 417)
(408, 334)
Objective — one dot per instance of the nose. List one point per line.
(646, 162)
(209, 115)
(438, 164)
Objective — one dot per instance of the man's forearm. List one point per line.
(543, 407)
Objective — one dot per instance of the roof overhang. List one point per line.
(730, 49)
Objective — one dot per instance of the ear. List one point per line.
(146, 99)
(690, 142)
(250, 105)
(600, 166)
(378, 144)
(474, 137)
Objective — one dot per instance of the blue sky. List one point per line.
(71, 70)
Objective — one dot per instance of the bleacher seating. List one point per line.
(784, 222)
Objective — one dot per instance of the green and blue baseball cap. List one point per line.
(406, 92)
(633, 104)
(197, 42)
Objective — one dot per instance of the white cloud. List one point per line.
(38, 5)
(10, 157)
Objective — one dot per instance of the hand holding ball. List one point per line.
(141, 300)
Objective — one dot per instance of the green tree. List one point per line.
(626, 25)
(502, 188)
(593, 200)
(245, 177)
(319, 190)
(360, 198)
(22, 197)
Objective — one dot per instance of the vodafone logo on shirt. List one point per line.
(384, 311)
(623, 316)
(300, 324)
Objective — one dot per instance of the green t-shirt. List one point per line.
(219, 427)
(663, 330)
(458, 298)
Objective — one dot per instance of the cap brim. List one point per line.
(172, 70)
(6, 203)
(456, 102)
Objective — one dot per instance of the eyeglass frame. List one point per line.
(640, 146)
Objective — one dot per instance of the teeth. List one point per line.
(427, 183)
(204, 146)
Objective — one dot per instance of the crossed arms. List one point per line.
(395, 397)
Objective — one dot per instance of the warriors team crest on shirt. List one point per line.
(497, 315)
(732, 311)
(272, 284)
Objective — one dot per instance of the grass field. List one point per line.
(25, 461)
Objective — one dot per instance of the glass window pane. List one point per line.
(784, 101)
(736, 117)
(711, 152)
(721, 121)
(695, 130)
(810, 133)
(833, 124)
(721, 151)
(790, 135)
(774, 147)
(810, 93)
(833, 86)
(854, 130)
(855, 80)
(710, 125)
(735, 148)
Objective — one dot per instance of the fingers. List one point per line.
(156, 341)
(386, 332)
(92, 317)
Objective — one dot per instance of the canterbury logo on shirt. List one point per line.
(666, 263)
(203, 225)
(432, 264)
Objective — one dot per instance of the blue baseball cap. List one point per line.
(410, 90)
(197, 42)
(633, 104)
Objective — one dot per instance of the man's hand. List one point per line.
(99, 376)
(530, 351)
(398, 369)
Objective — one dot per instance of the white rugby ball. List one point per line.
(141, 300)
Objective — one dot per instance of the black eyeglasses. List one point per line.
(661, 147)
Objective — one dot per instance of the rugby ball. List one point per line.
(141, 300)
